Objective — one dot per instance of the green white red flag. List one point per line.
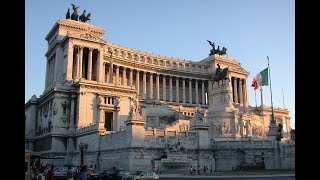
(261, 79)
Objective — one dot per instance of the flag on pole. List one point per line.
(261, 79)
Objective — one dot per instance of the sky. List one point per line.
(251, 30)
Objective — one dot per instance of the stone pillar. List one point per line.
(197, 91)
(130, 77)
(170, 89)
(111, 72)
(164, 88)
(71, 124)
(100, 67)
(70, 61)
(89, 71)
(177, 89)
(240, 92)
(202, 92)
(137, 82)
(235, 90)
(80, 62)
(117, 75)
(190, 91)
(157, 87)
(124, 76)
(151, 85)
(144, 84)
(184, 90)
(47, 75)
(244, 89)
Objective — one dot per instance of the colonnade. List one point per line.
(154, 85)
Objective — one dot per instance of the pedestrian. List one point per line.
(69, 173)
(190, 171)
(51, 172)
(40, 175)
(83, 174)
(204, 169)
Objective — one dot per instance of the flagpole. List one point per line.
(272, 115)
(283, 99)
(255, 97)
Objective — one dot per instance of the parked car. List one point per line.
(112, 174)
(142, 175)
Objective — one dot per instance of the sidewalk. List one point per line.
(226, 176)
(250, 173)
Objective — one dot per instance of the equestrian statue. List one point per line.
(220, 75)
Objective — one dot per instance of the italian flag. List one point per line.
(260, 79)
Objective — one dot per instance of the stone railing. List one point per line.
(153, 60)
(87, 128)
(242, 144)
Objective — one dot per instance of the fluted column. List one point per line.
(111, 72)
(47, 75)
(157, 87)
(244, 89)
(130, 77)
(177, 89)
(240, 92)
(70, 60)
(197, 91)
(137, 82)
(184, 90)
(144, 84)
(117, 75)
(235, 91)
(80, 62)
(164, 88)
(71, 124)
(89, 70)
(170, 89)
(124, 76)
(151, 85)
(203, 94)
(100, 67)
(190, 91)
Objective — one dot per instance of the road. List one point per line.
(251, 177)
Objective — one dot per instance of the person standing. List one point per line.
(51, 173)
(83, 174)
(69, 173)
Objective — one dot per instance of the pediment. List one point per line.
(89, 37)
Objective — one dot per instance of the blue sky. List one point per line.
(249, 29)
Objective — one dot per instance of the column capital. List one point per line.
(91, 49)
(125, 68)
(158, 74)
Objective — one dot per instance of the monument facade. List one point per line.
(106, 105)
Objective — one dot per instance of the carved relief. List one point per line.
(183, 128)
(55, 108)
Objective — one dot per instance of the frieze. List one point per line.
(114, 90)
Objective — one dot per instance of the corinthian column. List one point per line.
(151, 85)
(190, 92)
(235, 90)
(130, 77)
(177, 89)
(240, 92)
(117, 75)
(197, 91)
(137, 82)
(80, 62)
(144, 84)
(124, 76)
(184, 90)
(157, 87)
(164, 88)
(170, 88)
(89, 70)
(203, 94)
